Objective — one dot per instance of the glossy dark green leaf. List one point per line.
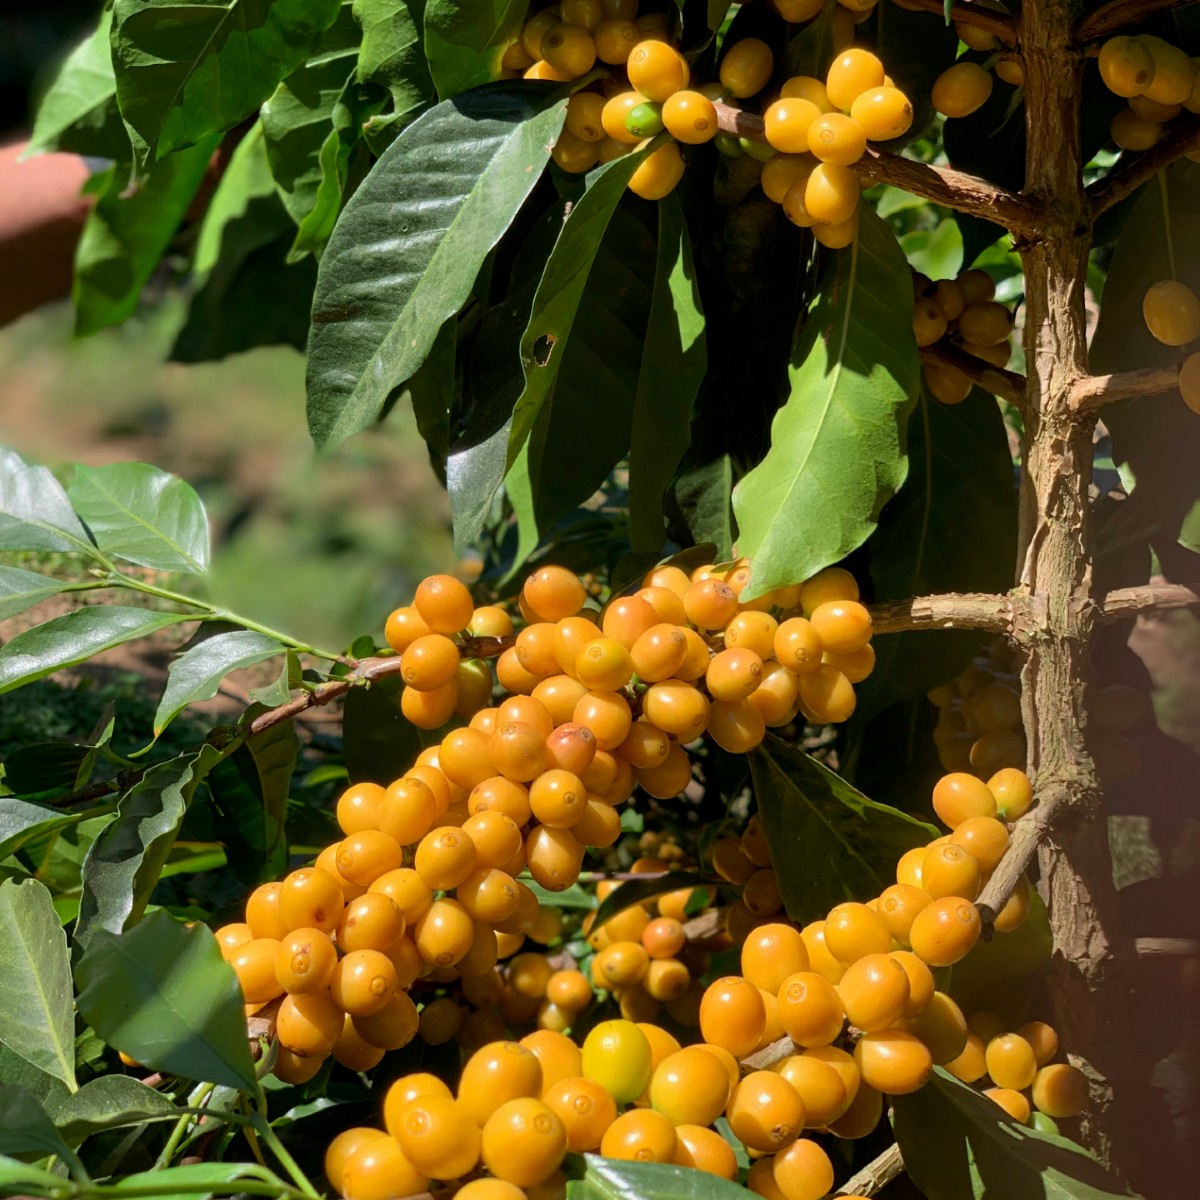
(634, 891)
(186, 71)
(298, 116)
(616, 1179)
(75, 637)
(197, 674)
(959, 1145)
(162, 993)
(829, 842)
(109, 1102)
(35, 513)
(144, 515)
(960, 464)
(410, 242)
(704, 495)
(123, 864)
(250, 793)
(245, 293)
(78, 113)
(24, 1126)
(22, 823)
(125, 234)
(20, 590)
(36, 1018)
(673, 364)
(466, 39)
(393, 52)
(836, 451)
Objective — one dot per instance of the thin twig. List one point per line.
(768, 1056)
(876, 1175)
(1117, 14)
(941, 185)
(1008, 385)
(1132, 171)
(1026, 836)
(1093, 392)
(999, 24)
(1125, 603)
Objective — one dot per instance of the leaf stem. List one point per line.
(260, 1123)
(195, 1101)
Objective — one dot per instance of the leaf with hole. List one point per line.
(162, 993)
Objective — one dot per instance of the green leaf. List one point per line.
(379, 744)
(951, 528)
(410, 242)
(18, 1070)
(125, 235)
(122, 866)
(36, 1018)
(20, 1177)
(703, 492)
(162, 993)
(673, 364)
(22, 823)
(836, 451)
(250, 794)
(184, 1182)
(393, 53)
(829, 842)
(78, 113)
(186, 71)
(297, 117)
(20, 590)
(24, 1126)
(108, 1102)
(144, 515)
(197, 674)
(959, 1145)
(245, 293)
(615, 1179)
(47, 766)
(634, 891)
(572, 897)
(75, 637)
(35, 513)
(466, 39)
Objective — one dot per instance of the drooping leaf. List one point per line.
(124, 236)
(466, 39)
(109, 1102)
(197, 674)
(123, 864)
(297, 117)
(22, 823)
(187, 71)
(78, 113)
(615, 1179)
(644, 889)
(673, 364)
(144, 515)
(75, 637)
(393, 53)
(20, 590)
(250, 794)
(24, 1126)
(36, 1017)
(829, 842)
(35, 513)
(959, 1145)
(410, 242)
(836, 451)
(245, 292)
(162, 993)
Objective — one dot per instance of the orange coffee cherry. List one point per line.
(810, 1009)
(945, 931)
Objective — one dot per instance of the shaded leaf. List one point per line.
(162, 993)
(18, 1070)
(21, 1176)
(197, 674)
(673, 364)
(410, 242)
(108, 1103)
(123, 864)
(829, 842)
(35, 513)
(75, 637)
(836, 452)
(20, 590)
(125, 235)
(392, 52)
(615, 1179)
(192, 1178)
(634, 891)
(78, 113)
(144, 515)
(46, 767)
(37, 1020)
(186, 71)
(918, 47)
(704, 494)
(24, 1126)
(466, 39)
(959, 1145)
(379, 743)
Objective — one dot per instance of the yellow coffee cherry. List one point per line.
(658, 173)
(882, 113)
(961, 89)
(1126, 66)
(786, 124)
(1172, 312)
(689, 117)
(852, 73)
(746, 67)
(1131, 132)
(836, 138)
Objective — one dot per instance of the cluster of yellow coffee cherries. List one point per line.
(979, 728)
(1158, 80)
(1172, 313)
(965, 313)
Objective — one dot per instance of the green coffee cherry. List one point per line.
(728, 145)
(644, 120)
(759, 150)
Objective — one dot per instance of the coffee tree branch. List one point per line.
(1092, 392)
(1008, 385)
(1132, 171)
(1118, 14)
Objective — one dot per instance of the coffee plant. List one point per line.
(815, 386)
